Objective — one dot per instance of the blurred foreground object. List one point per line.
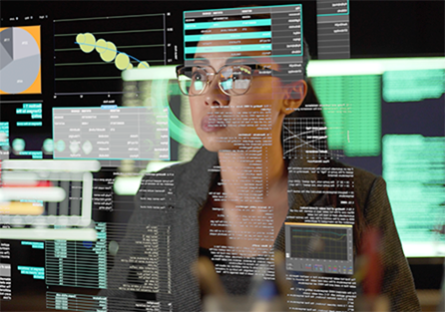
(47, 200)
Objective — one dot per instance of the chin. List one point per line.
(217, 146)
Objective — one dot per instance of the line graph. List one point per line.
(129, 41)
(306, 138)
(314, 247)
(107, 51)
(316, 243)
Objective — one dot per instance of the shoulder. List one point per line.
(182, 184)
(363, 180)
(200, 165)
(369, 188)
(167, 172)
(366, 185)
(175, 171)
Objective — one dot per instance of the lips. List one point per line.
(212, 123)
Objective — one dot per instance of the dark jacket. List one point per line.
(176, 211)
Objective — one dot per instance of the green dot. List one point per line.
(89, 43)
(60, 145)
(110, 52)
(18, 145)
(48, 146)
(101, 45)
(80, 38)
(143, 65)
(122, 61)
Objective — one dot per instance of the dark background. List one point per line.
(378, 29)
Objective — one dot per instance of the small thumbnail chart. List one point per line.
(306, 138)
(91, 53)
(20, 60)
(319, 248)
(136, 133)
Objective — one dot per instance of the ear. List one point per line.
(294, 94)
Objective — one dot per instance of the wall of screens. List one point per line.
(90, 105)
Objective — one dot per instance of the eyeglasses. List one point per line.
(232, 79)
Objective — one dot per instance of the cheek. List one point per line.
(265, 102)
(263, 88)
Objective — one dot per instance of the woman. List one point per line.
(232, 199)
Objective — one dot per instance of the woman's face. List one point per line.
(225, 122)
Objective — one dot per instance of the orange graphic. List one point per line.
(35, 87)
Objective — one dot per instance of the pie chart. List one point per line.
(20, 60)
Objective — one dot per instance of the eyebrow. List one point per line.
(245, 60)
(200, 60)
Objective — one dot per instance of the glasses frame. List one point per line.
(254, 67)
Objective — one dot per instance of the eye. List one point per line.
(199, 74)
(196, 75)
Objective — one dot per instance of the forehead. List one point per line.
(219, 59)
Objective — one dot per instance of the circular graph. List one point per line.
(20, 60)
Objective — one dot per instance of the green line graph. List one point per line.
(341, 236)
(317, 243)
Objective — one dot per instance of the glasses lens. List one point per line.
(192, 80)
(235, 79)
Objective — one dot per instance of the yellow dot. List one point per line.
(122, 61)
(143, 65)
(130, 66)
(89, 43)
(110, 52)
(101, 45)
(80, 38)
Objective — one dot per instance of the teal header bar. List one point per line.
(34, 154)
(234, 48)
(247, 23)
(258, 7)
(35, 245)
(36, 272)
(29, 123)
(249, 35)
(21, 111)
(32, 105)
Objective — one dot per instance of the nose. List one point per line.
(215, 96)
